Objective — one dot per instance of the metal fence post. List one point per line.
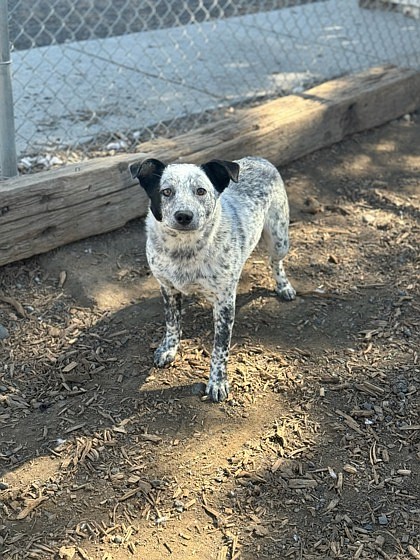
(8, 164)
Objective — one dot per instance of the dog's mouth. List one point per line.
(181, 228)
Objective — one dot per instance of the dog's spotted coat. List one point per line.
(203, 225)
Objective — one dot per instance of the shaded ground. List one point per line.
(316, 454)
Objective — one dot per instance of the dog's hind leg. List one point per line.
(166, 352)
(276, 237)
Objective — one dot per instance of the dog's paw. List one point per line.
(218, 390)
(286, 292)
(164, 355)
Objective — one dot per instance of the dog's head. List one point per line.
(183, 196)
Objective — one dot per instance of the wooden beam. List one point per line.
(46, 210)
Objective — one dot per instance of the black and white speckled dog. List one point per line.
(203, 225)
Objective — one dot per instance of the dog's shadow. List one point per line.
(243, 299)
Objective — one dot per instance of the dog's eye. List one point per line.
(200, 191)
(167, 192)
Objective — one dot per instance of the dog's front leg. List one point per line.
(224, 317)
(166, 352)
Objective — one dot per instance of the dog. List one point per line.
(203, 224)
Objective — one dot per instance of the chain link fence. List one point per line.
(98, 76)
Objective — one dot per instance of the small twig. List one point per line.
(31, 505)
(14, 303)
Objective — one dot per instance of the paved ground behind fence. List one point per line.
(69, 93)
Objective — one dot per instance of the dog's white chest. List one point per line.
(187, 280)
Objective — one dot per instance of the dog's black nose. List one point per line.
(183, 217)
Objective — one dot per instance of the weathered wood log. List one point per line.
(46, 210)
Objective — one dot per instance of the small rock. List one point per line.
(120, 145)
(400, 386)
(407, 332)
(382, 519)
(117, 539)
(405, 539)
(4, 333)
(367, 406)
(179, 506)
(3, 485)
(380, 541)
(67, 552)
(368, 218)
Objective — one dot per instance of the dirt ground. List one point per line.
(316, 453)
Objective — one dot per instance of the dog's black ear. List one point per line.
(149, 173)
(221, 173)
